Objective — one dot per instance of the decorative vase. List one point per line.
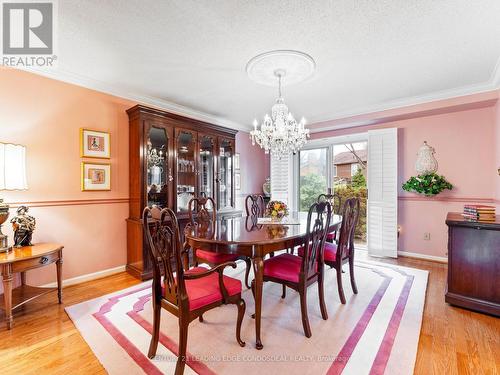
(426, 162)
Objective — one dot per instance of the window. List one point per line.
(313, 176)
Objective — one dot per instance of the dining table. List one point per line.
(246, 236)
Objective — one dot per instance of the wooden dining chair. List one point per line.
(337, 254)
(186, 294)
(336, 202)
(298, 273)
(203, 213)
(255, 205)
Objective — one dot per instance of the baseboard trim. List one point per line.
(406, 254)
(432, 258)
(88, 277)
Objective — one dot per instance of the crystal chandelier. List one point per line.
(279, 133)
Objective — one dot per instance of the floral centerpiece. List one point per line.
(276, 210)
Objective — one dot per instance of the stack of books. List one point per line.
(479, 212)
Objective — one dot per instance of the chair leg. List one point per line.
(303, 308)
(351, 273)
(241, 313)
(283, 294)
(200, 318)
(339, 284)
(252, 286)
(321, 292)
(247, 271)
(156, 330)
(181, 360)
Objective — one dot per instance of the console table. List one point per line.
(473, 264)
(21, 260)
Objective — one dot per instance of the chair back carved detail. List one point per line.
(203, 214)
(318, 222)
(334, 199)
(350, 216)
(254, 205)
(165, 250)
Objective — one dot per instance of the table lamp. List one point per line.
(12, 177)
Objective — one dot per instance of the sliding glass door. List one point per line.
(339, 167)
(350, 166)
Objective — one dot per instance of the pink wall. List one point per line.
(464, 139)
(254, 166)
(46, 115)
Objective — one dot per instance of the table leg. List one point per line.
(258, 265)
(59, 263)
(23, 278)
(7, 294)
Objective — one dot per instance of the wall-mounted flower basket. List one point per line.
(427, 184)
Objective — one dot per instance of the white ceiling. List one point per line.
(370, 55)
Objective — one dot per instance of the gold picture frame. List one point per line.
(95, 176)
(95, 144)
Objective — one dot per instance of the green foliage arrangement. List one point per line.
(429, 184)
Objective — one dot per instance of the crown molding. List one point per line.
(162, 104)
(351, 119)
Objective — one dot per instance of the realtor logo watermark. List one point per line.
(28, 33)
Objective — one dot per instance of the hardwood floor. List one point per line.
(45, 341)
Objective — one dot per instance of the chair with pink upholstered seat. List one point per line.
(203, 213)
(336, 202)
(186, 294)
(298, 273)
(337, 254)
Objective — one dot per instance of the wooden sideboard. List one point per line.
(172, 159)
(473, 264)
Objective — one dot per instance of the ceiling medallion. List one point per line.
(280, 133)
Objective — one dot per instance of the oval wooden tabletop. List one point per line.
(28, 252)
(244, 231)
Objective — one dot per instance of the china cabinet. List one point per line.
(171, 160)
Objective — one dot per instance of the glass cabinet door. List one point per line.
(225, 178)
(186, 168)
(206, 166)
(157, 162)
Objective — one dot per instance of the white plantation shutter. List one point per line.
(281, 179)
(382, 211)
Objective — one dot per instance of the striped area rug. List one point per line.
(376, 332)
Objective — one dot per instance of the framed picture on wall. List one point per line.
(95, 144)
(236, 161)
(237, 180)
(96, 176)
